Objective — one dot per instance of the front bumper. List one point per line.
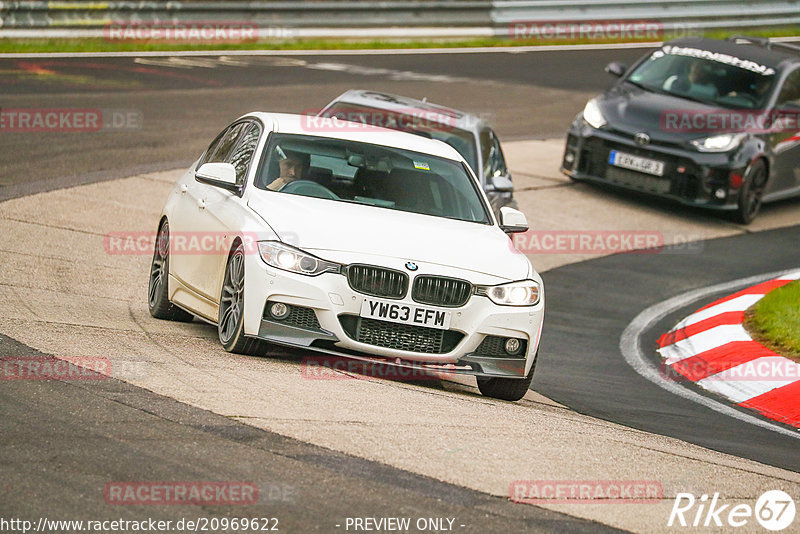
(325, 318)
(704, 179)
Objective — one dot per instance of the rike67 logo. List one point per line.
(774, 510)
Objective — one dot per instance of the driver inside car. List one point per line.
(695, 81)
(293, 166)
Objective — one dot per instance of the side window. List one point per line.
(227, 140)
(493, 160)
(241, 155)
(790, 91)
(212, 148)
(486, 150)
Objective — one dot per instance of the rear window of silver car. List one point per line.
(424, 122)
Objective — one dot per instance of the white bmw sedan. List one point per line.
(351, 240)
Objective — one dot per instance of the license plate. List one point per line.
(636, 163)
(397, 312)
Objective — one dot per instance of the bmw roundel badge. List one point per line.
(411, 266)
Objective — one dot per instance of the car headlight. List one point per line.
(293, 259)
(593, 115)
(524, 293)
(718, 143)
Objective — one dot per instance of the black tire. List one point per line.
(509, 389)
(751, 193)
(157, 287)
(230, 323)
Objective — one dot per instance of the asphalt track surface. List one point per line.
(113, 431)
(183, 105)
(62, 440)
(591, 303)
(185, 102)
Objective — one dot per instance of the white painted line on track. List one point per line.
(630, 345)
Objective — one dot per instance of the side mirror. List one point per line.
(501, 183)
(512, 221)
(219, 175)
(615, 68)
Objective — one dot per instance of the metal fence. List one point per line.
(390, 18)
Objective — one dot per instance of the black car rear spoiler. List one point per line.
(765, 42)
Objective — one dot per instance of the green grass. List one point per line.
(775, 320)
(102, 45)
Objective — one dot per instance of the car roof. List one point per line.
(364, 133)
(377, 99)
(773, 57)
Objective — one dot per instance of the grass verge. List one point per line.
(103, 45)
(774, 321)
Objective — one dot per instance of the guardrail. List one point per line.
(671, 14)
(390, 18)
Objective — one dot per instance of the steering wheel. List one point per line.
(308, 188)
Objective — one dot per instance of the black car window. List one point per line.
(212, 148)
(486, 149)
(493, 161)
(790, 91)
(497, 163)
(241, 156)
(225, 143)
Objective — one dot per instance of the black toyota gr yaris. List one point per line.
(708, 123)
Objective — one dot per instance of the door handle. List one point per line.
(201, 203)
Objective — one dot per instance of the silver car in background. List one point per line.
(469, 134)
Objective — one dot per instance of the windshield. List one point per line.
(708, 77)
(373, 175)
(421, 121)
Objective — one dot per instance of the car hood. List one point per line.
(630, 110)
(358, 231)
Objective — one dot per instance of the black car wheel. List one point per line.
(751, 192)
(158, 290)
(230, 325)
(510, 389)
